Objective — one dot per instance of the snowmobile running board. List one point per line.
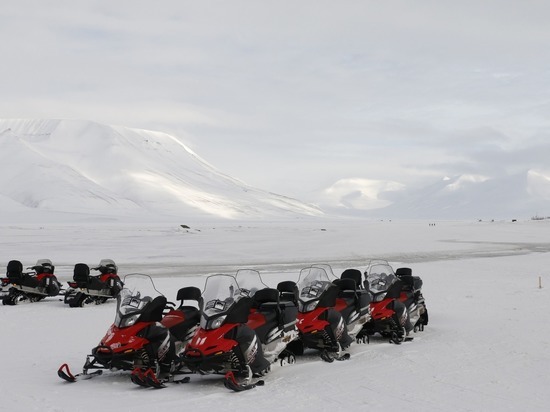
(230, 382)
(65, 373)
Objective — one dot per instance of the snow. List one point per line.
(485, 348)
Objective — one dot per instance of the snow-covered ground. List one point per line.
(485, 348)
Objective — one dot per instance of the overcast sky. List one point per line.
(293, 96)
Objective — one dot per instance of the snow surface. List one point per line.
(485, 348)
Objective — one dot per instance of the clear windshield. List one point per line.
(220, 293)
(380, 277)
(249, 281)
(139, 290)
(312, 283)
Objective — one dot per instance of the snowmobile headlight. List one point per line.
(380, 297)
(216, 323)
(308, 307)
(129, 321)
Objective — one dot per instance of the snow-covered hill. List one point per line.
(83, 168)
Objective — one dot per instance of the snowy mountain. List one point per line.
(81, 168)
(521, 195)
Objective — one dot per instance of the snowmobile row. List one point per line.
(239, 327)
(41, 282)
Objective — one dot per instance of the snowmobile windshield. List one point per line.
(312, 283)
(380, 277)
(220, 293)
(138, 292)
(249, 281)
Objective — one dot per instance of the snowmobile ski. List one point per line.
(65, 373)
(331, 357)
(148, 379)
(230, 382)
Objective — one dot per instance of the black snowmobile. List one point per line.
(87, 289)
(29, 286)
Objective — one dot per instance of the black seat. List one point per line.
(15, 271)
(353, 274)
(288, 291)
(266, 295)
(83, 279)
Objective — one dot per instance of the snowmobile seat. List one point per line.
(288, 291)
(15, 271)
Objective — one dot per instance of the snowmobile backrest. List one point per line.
(266, 295)
(240, 310)
(403, 272)
(154, 310)
(188, 293)
(328, 298)
(353, 274)
(288, 291)
(81, 274)
(14, 271)
(394, 291)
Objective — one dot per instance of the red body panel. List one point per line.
(255, 320)
(42, 276)
(210, 342)
(172, 318)
(380, 311)
(123, 339)
(309, 322)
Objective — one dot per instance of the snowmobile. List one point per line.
(321, 326)
(273, 320)
(353, 302)
(29, 286)
(145, 336)
(232, 330)
(411, 296)
(86, 289)
(390, 317)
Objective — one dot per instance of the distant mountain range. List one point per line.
(81, 168)
(68, 169)
(522, 195)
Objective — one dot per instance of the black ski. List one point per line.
(331, 356)
(65, 373)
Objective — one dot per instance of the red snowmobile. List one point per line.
(321, 325)
(87, 289)
(390, 317)
(274, 320)
(242, 330)
(145, 336)
(31, 286)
